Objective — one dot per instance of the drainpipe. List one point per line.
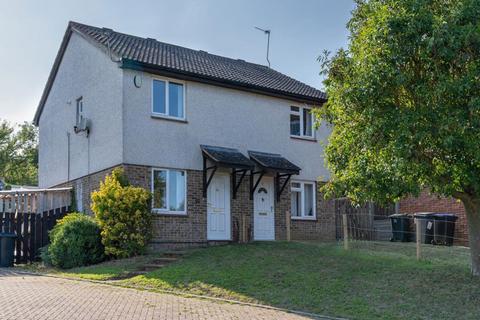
(68, 156)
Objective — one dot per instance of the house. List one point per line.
(228, 148)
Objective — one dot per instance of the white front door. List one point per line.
(264, 211)
(218, 208)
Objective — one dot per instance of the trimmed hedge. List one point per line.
(74, 241)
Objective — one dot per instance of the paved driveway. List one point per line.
(37, 297)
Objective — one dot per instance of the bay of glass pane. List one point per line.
(159, 104)
(296, 204)
(159, 189)
(176, 190)
(294, 125)
(175, 99)
(309, 200)
(307, 123)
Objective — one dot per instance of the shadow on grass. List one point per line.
(364, 283)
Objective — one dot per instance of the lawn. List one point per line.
(110, 270)
(372, 282)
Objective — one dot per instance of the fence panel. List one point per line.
(30, 215)
(365, 222)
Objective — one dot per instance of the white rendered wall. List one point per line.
(85, 71)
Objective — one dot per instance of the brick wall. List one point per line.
(428, 202)
(240, 206)
(322, 228)
(89, 184)
(191, 229)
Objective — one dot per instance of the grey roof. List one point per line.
(273, 162)
(163, 58)
(227, 157)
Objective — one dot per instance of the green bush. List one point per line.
(123, 213)
(74, 241)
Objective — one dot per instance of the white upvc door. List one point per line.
(218, 208)
(264, 210)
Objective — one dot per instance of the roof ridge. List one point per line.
(73, 23)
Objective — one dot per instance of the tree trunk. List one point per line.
(472, 208)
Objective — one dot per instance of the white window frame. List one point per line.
(167, 97)
(301, 189)
(79, 110)
(299, 113)
(167, 199)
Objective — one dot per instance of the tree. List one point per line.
(404, 105)
(18, 153)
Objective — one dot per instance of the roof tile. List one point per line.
(176, 58)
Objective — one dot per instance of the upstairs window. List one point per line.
(303, 200)
(79, 115)
(168, 99)
(301, 122)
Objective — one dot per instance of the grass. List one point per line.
(376, 281)
(110, 270)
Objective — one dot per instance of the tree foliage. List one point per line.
(123, 212)
(404, 102)
(18, 153)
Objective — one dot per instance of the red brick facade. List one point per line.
(427, 202)
(191, 229)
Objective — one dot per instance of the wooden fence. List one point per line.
(362, 221)
(30, 215)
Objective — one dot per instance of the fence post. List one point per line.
(288, 224)
(243, 238)
(418, 232)
(345, 232)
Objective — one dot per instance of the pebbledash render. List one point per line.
(228, 148)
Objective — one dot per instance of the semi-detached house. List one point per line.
(227, 147)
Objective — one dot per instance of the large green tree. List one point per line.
(404, 102)
(18, 153)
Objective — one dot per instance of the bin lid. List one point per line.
(399, 215)
(446, 216)
(8, 235)
(424, 215)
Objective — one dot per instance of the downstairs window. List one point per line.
(303, 200)
(169, 191)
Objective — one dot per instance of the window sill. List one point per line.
(303, 138)
(168, 213)
(304, 218)
(163, 117)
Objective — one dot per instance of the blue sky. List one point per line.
(31, 32)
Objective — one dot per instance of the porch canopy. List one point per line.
(272, 163)
(226, 158)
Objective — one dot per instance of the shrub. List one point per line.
(123, 212)
(74, 241)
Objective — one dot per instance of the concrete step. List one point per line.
(151, 267)
(174, 254)
(164, 260)
(137, 273)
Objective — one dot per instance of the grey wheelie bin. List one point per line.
(426, 221)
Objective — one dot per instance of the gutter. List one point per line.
(190, 76)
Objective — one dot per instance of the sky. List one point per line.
(31, 33)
